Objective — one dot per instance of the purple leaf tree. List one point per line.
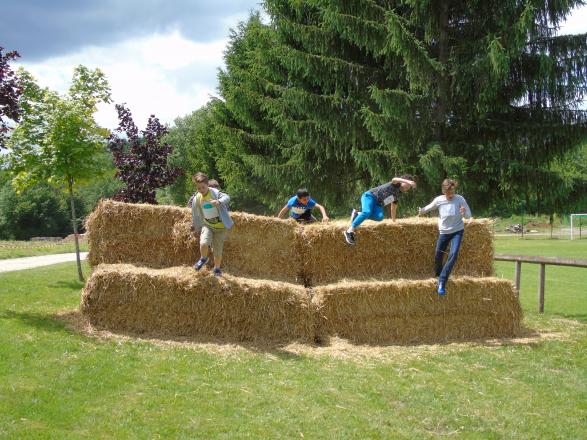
(10, 90)
(141, 160)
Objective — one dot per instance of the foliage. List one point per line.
(340, 96)
(57, 140)
(10, 90)
(37, 211)
(141, 161)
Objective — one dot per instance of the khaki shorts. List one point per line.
(214, 238)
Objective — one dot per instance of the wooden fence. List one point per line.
(543, 261)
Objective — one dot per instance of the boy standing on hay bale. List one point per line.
(210, 217)
(300, 207)
(451, 208)
(373, 201)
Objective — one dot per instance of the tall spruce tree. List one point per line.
(340, 95)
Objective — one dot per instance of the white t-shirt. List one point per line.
(449, 219)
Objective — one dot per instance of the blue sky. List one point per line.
(159, 56)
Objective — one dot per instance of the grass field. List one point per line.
(58, 383)
(17, 249)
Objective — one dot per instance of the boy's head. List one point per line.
(303, 196)
(449, 187)
(406, 186)
(213, 183)
(200, 180)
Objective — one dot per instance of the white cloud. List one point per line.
(166, 75)
(576, 23)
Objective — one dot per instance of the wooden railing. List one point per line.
(543, 261)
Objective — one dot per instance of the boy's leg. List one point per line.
(455, 245)
(218, 246)
(441, 244)
(205, 241)
(368, 204)
(377, 214)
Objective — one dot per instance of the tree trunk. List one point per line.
(74, 222)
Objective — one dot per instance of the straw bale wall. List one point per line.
(410, 311)
(266, 247)
(180, 302)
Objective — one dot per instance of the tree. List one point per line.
(57, 140)
(40, 210)
(191, 137)
(141, 160)
(342, 95)
(10, 90)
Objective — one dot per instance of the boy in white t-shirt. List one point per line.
(451, 209)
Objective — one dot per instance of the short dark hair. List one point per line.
(200, 178)
(303, 192)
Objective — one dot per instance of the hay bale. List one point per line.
(180, 302)
(160, 236)
(410, 311)
(388, 250)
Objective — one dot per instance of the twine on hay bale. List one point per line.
(180, 302)
(267, 247)
(409, 311)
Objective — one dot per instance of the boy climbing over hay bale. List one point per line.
(451, 208)
(210, 218)
(374, 200)
(300, 208)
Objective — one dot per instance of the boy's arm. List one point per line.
(223, 198)
(197, 215)
(283, 211)
(400, 180)
(432, 205)
(393, 211)
(325, 217)
(465, 210)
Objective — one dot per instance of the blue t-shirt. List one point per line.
(298, 209)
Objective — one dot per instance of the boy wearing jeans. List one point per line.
(210, 217)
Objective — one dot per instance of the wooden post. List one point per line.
(518, 276)
(541, 289)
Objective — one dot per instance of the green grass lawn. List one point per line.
(565, 287)
(57, 383)
(17, 249)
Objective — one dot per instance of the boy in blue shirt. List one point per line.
(300, 208)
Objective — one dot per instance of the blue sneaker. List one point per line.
(441, 288)
(217, 272)
(200, 263)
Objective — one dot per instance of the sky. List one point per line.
(160, 56)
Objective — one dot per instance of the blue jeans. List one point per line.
(443, 272)
(370, 209)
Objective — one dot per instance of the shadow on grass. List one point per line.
(72, 285)
(38, 320)
(297, 350)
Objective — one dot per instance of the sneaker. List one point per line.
(354, 215)
(200, 263)
(349, 237)
(217, 272)
(441, 288)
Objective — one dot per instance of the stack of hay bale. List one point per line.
(286, 282)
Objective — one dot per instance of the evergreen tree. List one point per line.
(341, 95)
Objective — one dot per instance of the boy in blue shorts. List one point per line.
(300, 208)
